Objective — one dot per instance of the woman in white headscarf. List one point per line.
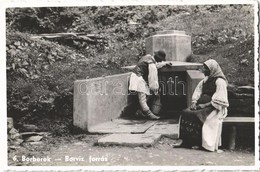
(203, 121)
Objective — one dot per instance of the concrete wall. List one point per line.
(99, 100)
(176, 44)
(193, 78)
(102, 99)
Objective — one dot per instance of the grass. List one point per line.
(204, 22)
(225, 23)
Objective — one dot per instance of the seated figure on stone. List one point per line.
(201, 124)
(144, 80)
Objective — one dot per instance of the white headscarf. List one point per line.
(215, 70)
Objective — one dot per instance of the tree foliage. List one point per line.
(39, 20)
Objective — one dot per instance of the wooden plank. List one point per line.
(239, 120)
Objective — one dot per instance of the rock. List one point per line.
(233, 38)
(17, 43)
(10, 123)
(30, 127)
(14, 136)
(20, 47)
(79, 143)
(209, 163)
(244, 62)
(34, 138)
(36, 143)
(13, 131)
(12, 147)
(44, 133)
(29, 134)
(12, 47)
(18, 142)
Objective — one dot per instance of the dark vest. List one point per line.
(141, 69)
(209, 87)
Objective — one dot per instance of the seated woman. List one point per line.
(201, 124)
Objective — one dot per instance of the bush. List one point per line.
(40, 20)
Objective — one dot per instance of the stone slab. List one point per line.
(133, 140)
(176, 44)
(193, 79)
(170, 32)
(34, 139)
(169, 128)
(122, 126)
(10, 123)
(181, 66)
(176, 66)
(99, 100)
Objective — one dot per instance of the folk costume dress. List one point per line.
(145, 78)
(204, 126)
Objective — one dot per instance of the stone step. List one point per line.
(136, 132)
(122, 126)
(131, 140)
(168, 128)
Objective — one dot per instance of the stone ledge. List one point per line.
(132, 140)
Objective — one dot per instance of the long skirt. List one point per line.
(191, 126)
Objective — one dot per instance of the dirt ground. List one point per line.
(81, 150)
